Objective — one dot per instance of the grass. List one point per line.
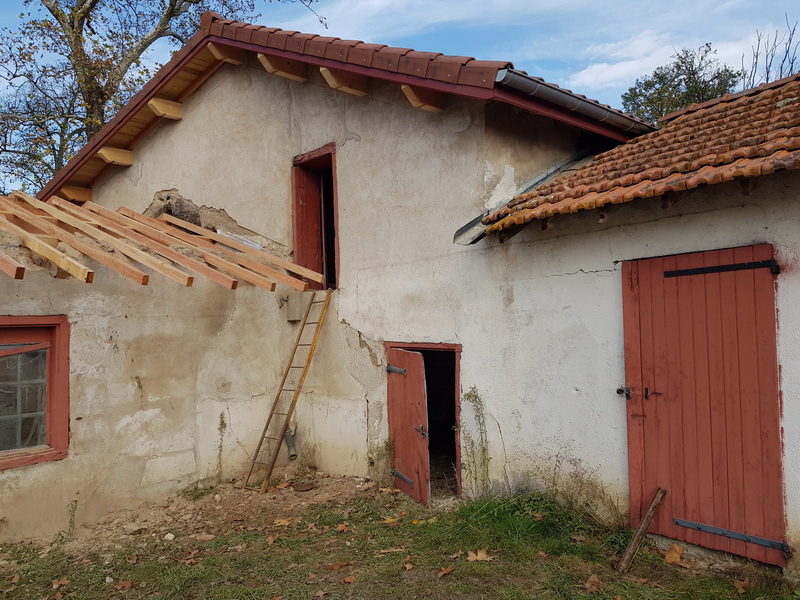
(535, 549)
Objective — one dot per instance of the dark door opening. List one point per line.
(440, 374)
(423, 418)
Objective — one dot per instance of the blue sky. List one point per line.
(594, 47)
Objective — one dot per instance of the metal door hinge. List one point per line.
(421, 430)
(624, 390)
(393, 369)
(735, 535)
(399, 475)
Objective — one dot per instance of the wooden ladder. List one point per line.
(280, 414)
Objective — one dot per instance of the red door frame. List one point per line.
(456, 349)
(704, 409)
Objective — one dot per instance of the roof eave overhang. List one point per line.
(502, 92)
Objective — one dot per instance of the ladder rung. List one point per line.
(303, 344)
(269, 437)
(317, 301)
(288, 390)
(296, 366)
(279, 414)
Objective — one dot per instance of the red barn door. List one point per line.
(704, 407)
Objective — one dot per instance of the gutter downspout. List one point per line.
(541, 90)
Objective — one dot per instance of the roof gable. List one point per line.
(426, 78)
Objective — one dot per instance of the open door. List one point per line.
(408, 424)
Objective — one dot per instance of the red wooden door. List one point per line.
(704, 408)
(408, 424)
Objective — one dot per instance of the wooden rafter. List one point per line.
(150, 242)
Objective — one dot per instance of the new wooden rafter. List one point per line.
(224, 261)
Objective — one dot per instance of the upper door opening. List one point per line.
(314, 215)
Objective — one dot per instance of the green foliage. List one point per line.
(71, 64)
(692, 76)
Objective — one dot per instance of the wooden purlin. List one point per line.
(123, 246)
(38, 221)
(165, 251)
(42, 225)
(201, 243)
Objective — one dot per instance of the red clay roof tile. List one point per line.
(752, 133)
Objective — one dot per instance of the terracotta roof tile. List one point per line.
(742, 135)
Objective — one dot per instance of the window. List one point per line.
(34, 390)
(314, 215)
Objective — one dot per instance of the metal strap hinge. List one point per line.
(399, 475)
(735, 535)
(393, 369)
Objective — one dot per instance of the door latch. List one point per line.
(624, 390)
(421, 430)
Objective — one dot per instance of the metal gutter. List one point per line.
(530, 86)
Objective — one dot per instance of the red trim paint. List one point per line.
(56, 328)
(456, 348)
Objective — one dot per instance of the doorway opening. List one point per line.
(423, 407)
(440, 376)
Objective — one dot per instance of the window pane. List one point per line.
(33, 398)
(34, 365)
(33, 432)
(8, 399)
(8, 435)
(8, 368)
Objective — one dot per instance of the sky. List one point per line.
(593, 47)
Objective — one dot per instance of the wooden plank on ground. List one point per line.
(118, 244)
(58, 258)
(157, 227)
(641, 530)
(120, 266)
(279, 262)
(165, 251)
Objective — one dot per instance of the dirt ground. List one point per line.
(315, 535)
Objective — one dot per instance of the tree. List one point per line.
(72, 63)
(692, 76)
(772, 57)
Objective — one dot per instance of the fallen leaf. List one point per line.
(57, 583)
(14, 578)
(320, 594)
(270, 540)
(410, 557)
(337, 566)
(348, 579)
(132, 560)
(445, 571)
(675, 553)
(390, 521)
(593, 584)
(389, 490)
(391, 550)
(537, 516)
(58, 596)
(282, 485)
(617, 597)
(343, 527)
(480, 555)
(123, 584)
(205, 537)
(369, 485)
(743, 586)
(456, 554)
(283, 522)
(638, 580)
(542, 554)
(408, 566)
(312, 575)
(277, 597)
